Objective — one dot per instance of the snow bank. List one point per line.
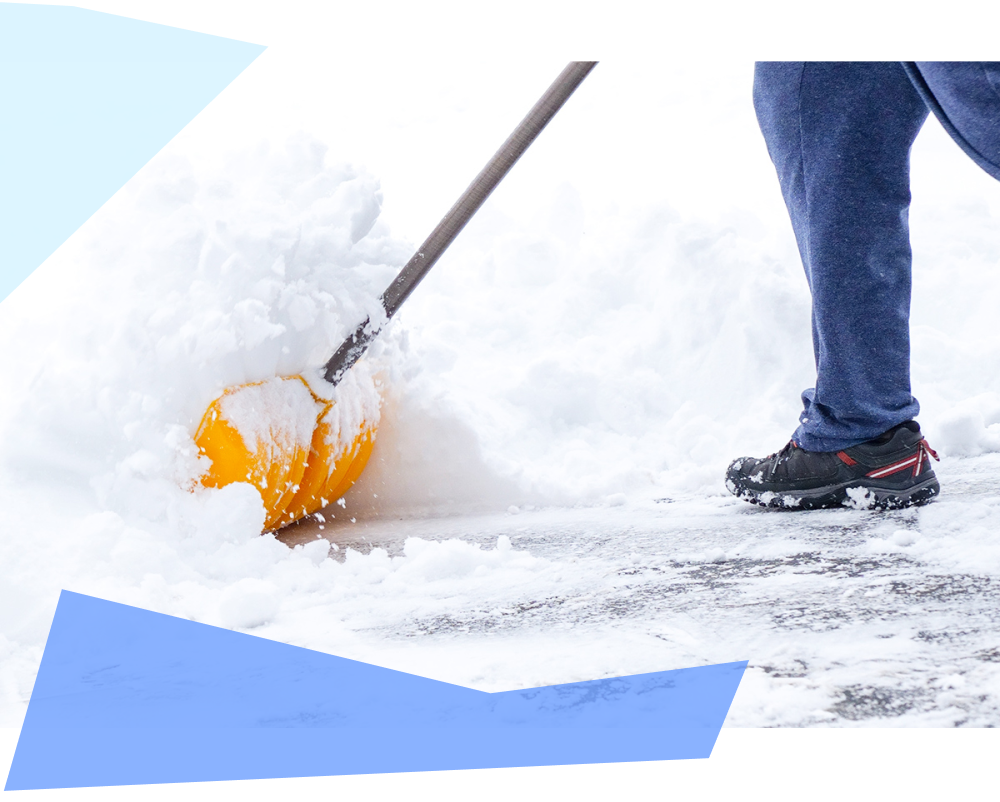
(604, 351)
(189, 281)
(186, 284)
(970, 427)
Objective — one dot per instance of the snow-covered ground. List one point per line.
(847, 617)
(560, 397)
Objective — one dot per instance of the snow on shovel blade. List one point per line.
(278, 436)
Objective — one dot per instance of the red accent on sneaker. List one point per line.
(896, 467)
(930, 450)
(846, 458)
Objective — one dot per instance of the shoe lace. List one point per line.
(930, 451)
(776, 459)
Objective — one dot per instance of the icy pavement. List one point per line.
(847, 617)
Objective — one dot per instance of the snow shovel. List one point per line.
(280, 434)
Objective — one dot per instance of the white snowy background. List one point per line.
(561, 396)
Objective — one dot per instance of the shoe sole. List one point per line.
(856, 494)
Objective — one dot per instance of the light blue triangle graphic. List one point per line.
(125, 696)
(86, 99)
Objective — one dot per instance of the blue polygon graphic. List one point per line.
(86, 100)
(127, 696)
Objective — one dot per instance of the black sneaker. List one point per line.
(889, 472)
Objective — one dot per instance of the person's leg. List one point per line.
(965, 97)
(840, 135)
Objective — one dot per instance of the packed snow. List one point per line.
(274, 414)
(557, 404)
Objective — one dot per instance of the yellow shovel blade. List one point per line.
(275, 435)
(332, 468)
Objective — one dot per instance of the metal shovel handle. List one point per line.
(455, 220)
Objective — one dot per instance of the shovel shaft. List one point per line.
(455, 220)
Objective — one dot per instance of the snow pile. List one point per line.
(186, 283)
(633, 357)
(971, 427)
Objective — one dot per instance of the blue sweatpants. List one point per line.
(839, 134)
